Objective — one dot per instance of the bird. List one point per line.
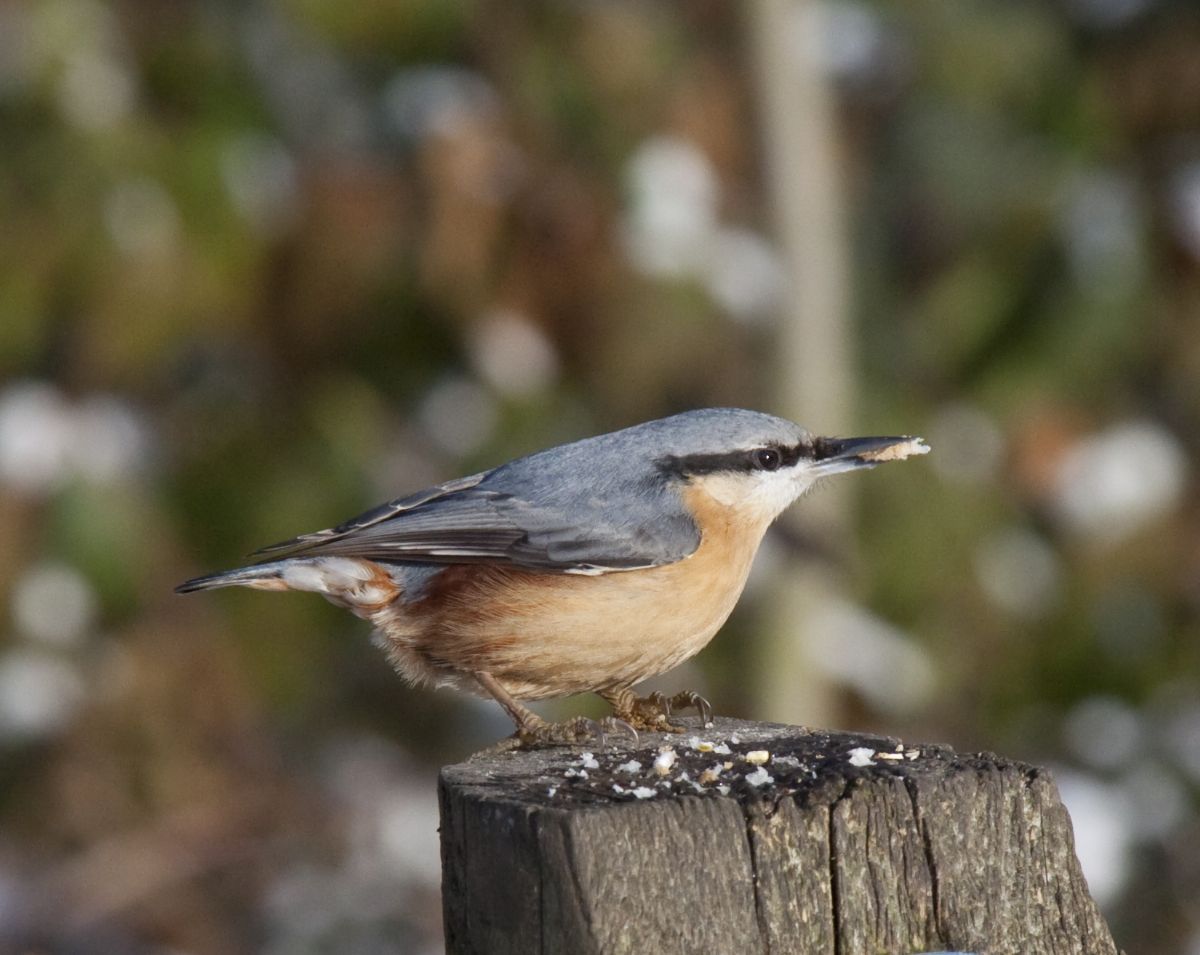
(587, 567)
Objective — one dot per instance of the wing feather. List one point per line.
(306, 543)
(481, 518)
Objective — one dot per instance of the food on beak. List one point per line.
(902, 449)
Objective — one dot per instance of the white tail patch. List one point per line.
(360, 585)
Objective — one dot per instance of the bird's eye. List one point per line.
(766, 459)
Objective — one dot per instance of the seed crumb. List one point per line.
(861, 756)
(664, 761)
(760, 777)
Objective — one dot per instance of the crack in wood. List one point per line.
(835, 881)
(939, 936)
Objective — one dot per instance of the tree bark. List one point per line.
(836, 843)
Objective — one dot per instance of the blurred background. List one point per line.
(265, 264)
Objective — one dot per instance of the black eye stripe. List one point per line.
(691, 465)
(791, 454)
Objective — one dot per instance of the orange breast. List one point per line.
(549, 635)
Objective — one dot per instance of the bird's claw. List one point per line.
(578, 731)
(618, 727)
(653, 712)
(633, 713)
(689, 698)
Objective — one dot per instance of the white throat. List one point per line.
(759, 495)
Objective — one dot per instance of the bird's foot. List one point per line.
(579, 731)
(653, 712)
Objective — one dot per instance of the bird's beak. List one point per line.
(834, 455)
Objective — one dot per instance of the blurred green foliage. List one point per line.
(265, 264)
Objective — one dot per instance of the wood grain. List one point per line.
(927, 850)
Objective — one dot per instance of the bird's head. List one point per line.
(758, 464)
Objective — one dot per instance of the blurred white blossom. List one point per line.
(1019, 572)
(391, 817)
(1111, 484)
(852, 38)
(459, 414)
(882, 662)
(672, 230)
(260, 176)
(38, 694)
(44, 438)
(512, 354)
(1102, 819)
(1162, 800)
(36, 435)
(53, 603)
(82, 41)
(401, 830)
(672, 214)
(1104, 732)
(111, 440)
(744, 275)
(97, 89)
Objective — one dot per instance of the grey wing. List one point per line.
(319, 540)
(468, 521)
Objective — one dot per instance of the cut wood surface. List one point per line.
(753, 837)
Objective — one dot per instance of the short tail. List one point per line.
(262, 576)
(362, 586)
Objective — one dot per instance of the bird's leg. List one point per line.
(653, 712)
(534, 732)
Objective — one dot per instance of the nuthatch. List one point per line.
(587, 567)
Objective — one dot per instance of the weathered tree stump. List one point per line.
(836, 843)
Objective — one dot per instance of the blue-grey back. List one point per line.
(602, 503)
